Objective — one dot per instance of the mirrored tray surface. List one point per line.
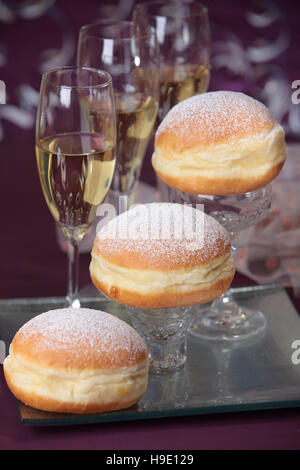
(216, 378)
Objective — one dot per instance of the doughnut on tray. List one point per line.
(215, 379)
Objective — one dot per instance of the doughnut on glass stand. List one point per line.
(225, 319)
(237, 377)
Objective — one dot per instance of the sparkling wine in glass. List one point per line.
(130, 55)
(75, 152)
(183, 33)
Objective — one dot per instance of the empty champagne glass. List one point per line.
(75, 152)
(183, 33)
(130, 55)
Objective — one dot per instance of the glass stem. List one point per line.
(226, 310)
(73, 256)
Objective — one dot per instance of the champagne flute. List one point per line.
(183, 33)
(75, 152)
(130, 54)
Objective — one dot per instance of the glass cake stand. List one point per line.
(225, 319)
(165, 331)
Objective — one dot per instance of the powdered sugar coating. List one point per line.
(80, 338)
(215, 117)
(162, 236)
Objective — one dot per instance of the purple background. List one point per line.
(33, 266)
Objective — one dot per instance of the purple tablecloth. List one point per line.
(255, 430)
(33, 266)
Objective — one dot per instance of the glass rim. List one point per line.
(196, 5)
(107, 22)
(103, 73)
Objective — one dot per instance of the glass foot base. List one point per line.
(210, 325)
(161, 364)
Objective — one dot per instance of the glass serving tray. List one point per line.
(216, 378)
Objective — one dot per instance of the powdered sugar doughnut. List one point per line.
(162, 255)
(220, 142)
(77, 361)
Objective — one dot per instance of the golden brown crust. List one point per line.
(174, 139)
(167, 299)
(194, 265)
(213, 118)
(129, 257)
(219, 143)
(77, 361)
(168, 236)
(31, 351)
(74, 352)
(198, 184)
